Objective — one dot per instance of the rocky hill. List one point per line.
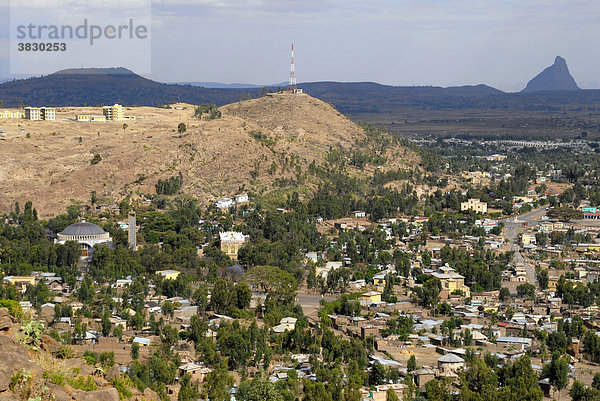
(47, 372)
(556, 77)
(256, 146)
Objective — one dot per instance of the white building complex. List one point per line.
(86, 234)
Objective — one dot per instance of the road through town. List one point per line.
(515, 226)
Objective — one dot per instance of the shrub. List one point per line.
(30, 334)
(90, 357)
(96, 159)
(55, 378)
(19, 380)
(107, 359)
(64, 352)
(85, 384)
(14, 308)
(123, 384)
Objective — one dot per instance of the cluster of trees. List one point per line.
(170, 186)
(482, 270)
(229, 298)
(401, 326)
(564, 213)
(211, 111)
(25, 247)
(577, 293)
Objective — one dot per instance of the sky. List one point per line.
(501, 43)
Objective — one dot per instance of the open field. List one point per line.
(569, 122)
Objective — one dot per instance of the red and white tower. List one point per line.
(292, 87)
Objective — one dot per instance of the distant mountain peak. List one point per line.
(560, 61)
(555, 77)
(100, 71)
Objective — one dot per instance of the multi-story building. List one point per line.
(33, 113)
(548, 226)
(48, 113)
(474, 205)
(115, 112)
(40, 113)
(452, 282)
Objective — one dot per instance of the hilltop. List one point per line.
(256, 146)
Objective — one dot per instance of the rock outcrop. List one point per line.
(556, 77)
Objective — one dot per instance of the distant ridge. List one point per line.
(554, 78)
(220, 85)
(102, 86)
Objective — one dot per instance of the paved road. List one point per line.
(512, 231)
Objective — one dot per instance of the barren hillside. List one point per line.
(255, 142)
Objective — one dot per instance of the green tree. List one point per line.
(168, 309)
(596, 381)
(217, 383)
(181, 128)
(388, 291)
(220, 296)
(118, 332)
(242, 295)
(581, 393)
(107, 359)
(411, 364)
(565, 213)
(391, 395)
(438, 390)
(315, 391)
(428, 294)
(86, 291)
(169, 335)
(188, 390)
(377, 374)
(135, 351)
(526, 290)
(259, 390)
(557, 371)
(106, 324)
(542, 277)
(478, 382)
